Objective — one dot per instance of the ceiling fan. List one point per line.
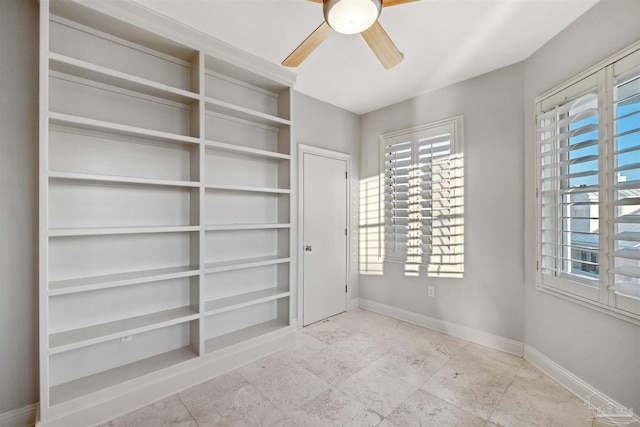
(352, 17)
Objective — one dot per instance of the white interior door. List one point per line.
(324, 226)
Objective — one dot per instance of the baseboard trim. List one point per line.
(353, 304)
(466, 333)
(22, 417)
(593, 397)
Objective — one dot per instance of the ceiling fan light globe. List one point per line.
(351, 16)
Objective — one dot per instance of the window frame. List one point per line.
(603, 297)
(414, 136)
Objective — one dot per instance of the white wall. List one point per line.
(324, 125)
(490, 297)
(579, 339)
(18, 203)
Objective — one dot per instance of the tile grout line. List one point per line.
(188, 410)
(504, 392)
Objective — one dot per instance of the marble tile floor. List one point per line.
(363, 369)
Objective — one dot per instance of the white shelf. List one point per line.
(86, 177)
(118, 129)
(243, 300)
(93, 383)
(96, 73)
(223, 146)
(242, 335)
(86, 284)
(226, 108)
(76, 338)
(228, 227)
(225, 187)
(235, 264)
(102, 231)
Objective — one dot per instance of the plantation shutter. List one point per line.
(626, 201)
(568, 190)
(441, 209)
(423, 198)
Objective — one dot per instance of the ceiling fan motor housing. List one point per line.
(351, 16)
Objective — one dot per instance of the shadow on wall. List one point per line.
(419, 224)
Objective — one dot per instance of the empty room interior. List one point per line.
(319, 213)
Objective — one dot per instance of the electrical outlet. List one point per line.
(432, 291)
(126, 338)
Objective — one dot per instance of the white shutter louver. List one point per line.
(626, 215)
(398, 163)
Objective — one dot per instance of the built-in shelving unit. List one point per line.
(165, 212)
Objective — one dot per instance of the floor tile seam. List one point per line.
(396, 377)
(265, 376)
(285, 411)
(189, 410)
(451, 403)
(544, 396)
(462, 408)
(386, 351)
(483, 357)
(401, 403)
(377, 358)
(332, 345)
(289, 411)
(289, 418)
(399, 379)
(274, 404)
(303, 346)
(317, 339)
(433, 375)
(355, 398)
(504, 392)
(228, 394)
(518, 366)
(458, 351)
(349, 377)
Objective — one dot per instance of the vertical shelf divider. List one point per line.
(43, 219)
(198, 129)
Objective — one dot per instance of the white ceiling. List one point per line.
(443, 41)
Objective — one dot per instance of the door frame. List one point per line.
(336, 155)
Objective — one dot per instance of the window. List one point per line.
(422, 170)
(588, 190)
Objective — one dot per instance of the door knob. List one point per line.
(307, 248)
